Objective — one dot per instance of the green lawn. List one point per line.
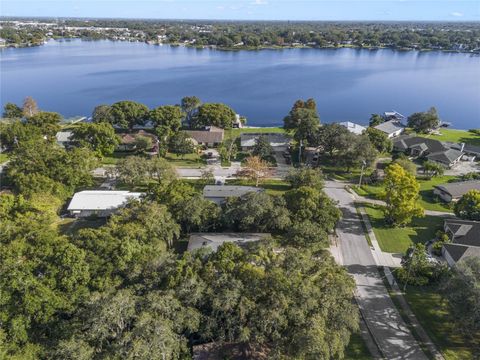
(427, 199)
(233, 133)
(3, 157)
(115, 157)
(70, 226)
(432, 312)
(188, 160)
(356, 349)
(397, 240)
(456, 136)
(272, 187)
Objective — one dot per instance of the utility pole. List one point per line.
(361, 173)
(300, 152)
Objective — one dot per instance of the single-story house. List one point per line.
(455, 190)
(353, 128)
(279, 142)
(446, 154)
(128, 141)
(471, 150)
(219, 193)
(392, 128)
(64, 138)
(214, 240)
(393, 115)
(210, 136)
(465, 240)
(101, 203)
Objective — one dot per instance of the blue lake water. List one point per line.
(72, 77)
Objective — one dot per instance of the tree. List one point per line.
(197, 214)
(228, 149)
(375, 120)
(30, 107)
(161, 170)
(401, 195)
(407, 165)
(190, 105)
(254, 169)
(256, 212)
(424, 121)
(468, 207)
(14, 133)
(262, 148)
(379, 140)
(126, 114)
(359, 152)
(215, 114)
(168, 117)
(48, 123)
(432, 168)
(333, 138)
(309, 204)
(98, 137)
(181, 144)
(12, 111)
(462, 290)
(305, 176)
(133, 170)
(208, 177)
(143, 143)
(417, 269)
(102, 114)
(306, 234)
(303, 120)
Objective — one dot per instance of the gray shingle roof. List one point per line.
(213, 135)
(214, 240)
(389, 127)
(458, 189)
(224, 191)
(446, 157)
(459, 252)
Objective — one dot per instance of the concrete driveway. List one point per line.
(387, 327)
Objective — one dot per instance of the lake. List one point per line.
(72, 77)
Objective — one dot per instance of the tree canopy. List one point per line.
(215, 114)
(98, 137)
(468, 207)
(423, 122)
(126, 114)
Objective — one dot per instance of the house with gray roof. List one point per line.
(219, 193)
(446, 154)
(464, 240)
(278, 141)
(454, 191)
(391, 128)
(210, 136)
(213, 241)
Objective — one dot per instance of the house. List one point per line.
(210, 136)
(219, 193)
(353, 128)
(279, 142)
(454, 191)
(446, 154)
(464, 240)
(128, 141)
(237, 123)
(393, 115)
(214, 240)
(392, 128)
(64, 138)
(99, 203)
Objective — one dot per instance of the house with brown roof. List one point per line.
(210, 136)
(128, 141)
(464, 240)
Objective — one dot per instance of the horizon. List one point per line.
(249, 10)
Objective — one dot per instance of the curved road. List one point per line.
(390, 332)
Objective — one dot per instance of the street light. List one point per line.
(364, 163)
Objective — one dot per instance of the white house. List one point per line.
(353, 128)
(392, 128)
(219, 193)
(214, 240)
(99, 202)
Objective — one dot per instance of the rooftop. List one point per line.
(457, 189)
(101, 199)
(353, 128)
(459, 252)
(464, 232)
(275, 139)
(389, 127)
(211, 134)
(214, 240)
(224, 191)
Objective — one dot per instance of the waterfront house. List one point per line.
(353, 128)
(213, 241)
(393, 115)
(391, 128)
(219, 193)
(279, 142)
(100, 203)
(454, 191)
(128, 141)
(464, 242)
(210, 136)
(64, 138)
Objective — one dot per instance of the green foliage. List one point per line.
(12, 111)
(303, 121)
(168, 117)
(48, 123)
(360, 151)
(136, 170)
(423, 122)
(468, 207)
(379, 140)
(306, 234)
(15, 133)
(102, 114)
(407, 165)
(228, 149)
(256, 212)
(401, 195)
(98, 137)
(333, 138)
(417, 269)
(215, 114)
(262, 148)
(126, 114)
(462, 290)
(304, 176)
(181, 144)
(190, 105)
(375, 120)
(431, 168)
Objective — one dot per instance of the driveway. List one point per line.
(218, 171)
(390, 332)
(463, 167)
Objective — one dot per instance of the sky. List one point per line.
(418, 10)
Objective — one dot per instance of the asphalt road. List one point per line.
(390, 332)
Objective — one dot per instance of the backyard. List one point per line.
(397, 240)
(458, 136)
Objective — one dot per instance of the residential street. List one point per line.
(390, 332)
